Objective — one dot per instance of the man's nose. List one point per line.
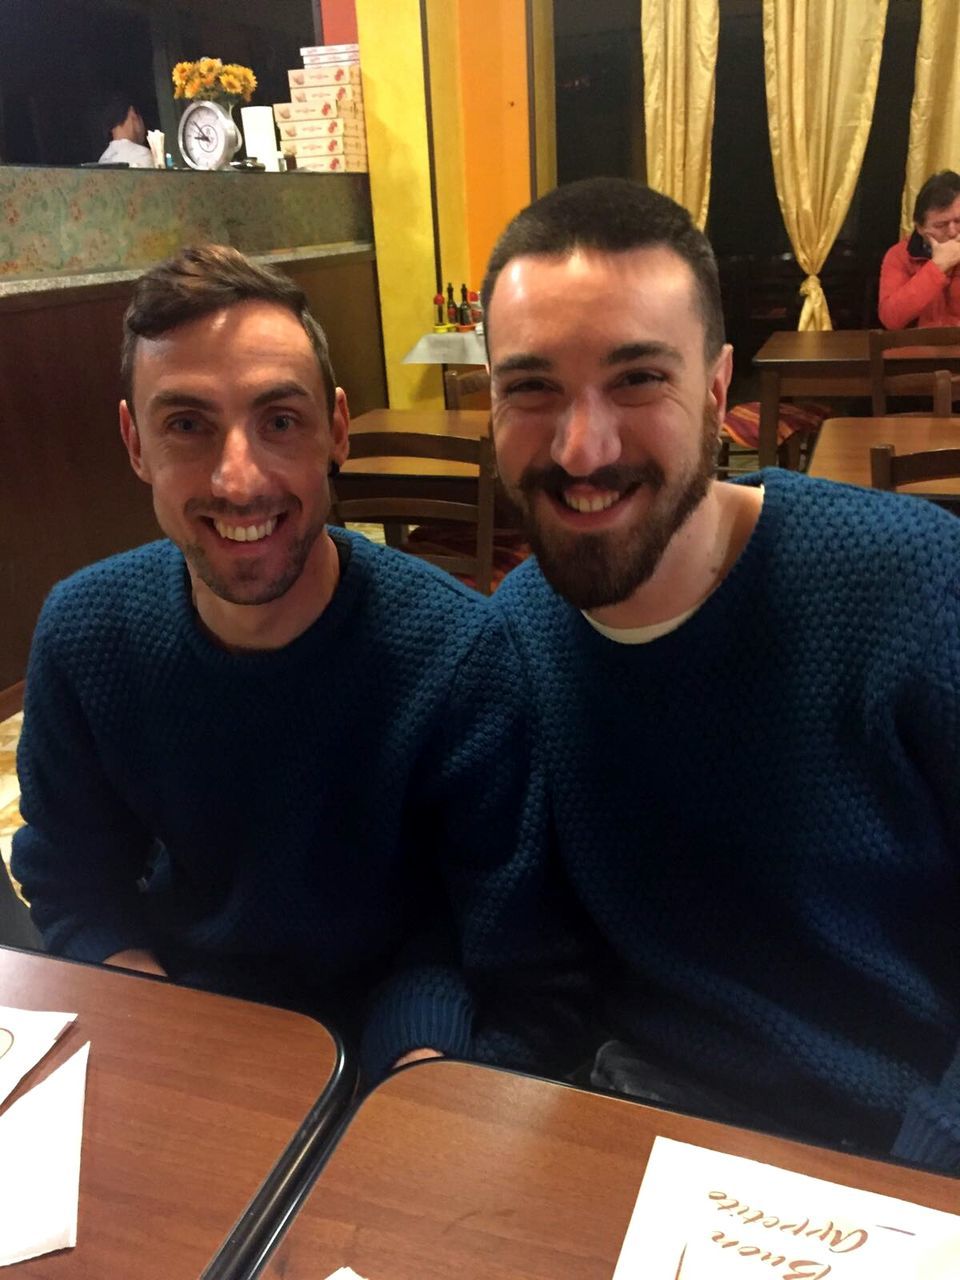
(239, 474)
(589, 438)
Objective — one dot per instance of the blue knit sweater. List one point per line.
(269, 824)
(760, 814)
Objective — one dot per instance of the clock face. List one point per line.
(206, 135)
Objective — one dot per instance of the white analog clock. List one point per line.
(208, 137)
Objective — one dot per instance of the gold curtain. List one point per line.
(822, 58)
(679, 74)
(935, 113)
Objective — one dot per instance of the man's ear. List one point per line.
(720, 375)
(131, 438)
(340, 428)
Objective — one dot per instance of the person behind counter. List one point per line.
(919, 280)
(121, 122)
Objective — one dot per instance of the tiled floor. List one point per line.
(9, 787)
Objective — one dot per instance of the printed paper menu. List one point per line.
(703, 1215)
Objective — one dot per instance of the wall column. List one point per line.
(394, 96)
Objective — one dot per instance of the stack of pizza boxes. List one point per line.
(321, 128)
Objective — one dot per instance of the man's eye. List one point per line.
(528, 386)
(184, 426)
(642, 378)
(282, 422)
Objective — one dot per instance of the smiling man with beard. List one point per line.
(252, 750)
(746, 700)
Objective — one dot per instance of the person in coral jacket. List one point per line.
(919, 278)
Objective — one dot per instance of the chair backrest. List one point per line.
(888, 470)
(414, 510)
(904, 382)
(457, 385)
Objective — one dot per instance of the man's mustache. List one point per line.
(220, 508)
(554, 479)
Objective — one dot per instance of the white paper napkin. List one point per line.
(155, 141)
(706, 1215)
(40, 1140)
(345, 1273)
(25, 1036)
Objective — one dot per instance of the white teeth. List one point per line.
(586, 505)
(245, 533)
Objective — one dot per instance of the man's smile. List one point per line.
(246, 533)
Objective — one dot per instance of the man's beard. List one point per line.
(591, 570)
(245, 584)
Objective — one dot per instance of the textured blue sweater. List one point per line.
(760, 815)
(269, 824)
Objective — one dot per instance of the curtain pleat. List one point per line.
(821, 59)
(935, 112)
(679, 40)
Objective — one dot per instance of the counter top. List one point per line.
(41, 287)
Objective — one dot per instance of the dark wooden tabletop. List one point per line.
(191, 1099)
(450, 1170)
(843, 447)
(788, 347)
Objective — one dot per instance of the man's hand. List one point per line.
(141, 961)
(416, 1055)
(946, 255)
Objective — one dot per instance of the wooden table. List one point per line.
(450, 1170)
(843, 447)
(831, 363)
(192, 1100)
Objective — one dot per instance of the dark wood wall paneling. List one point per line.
(67, 494)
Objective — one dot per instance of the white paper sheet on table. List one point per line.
(345, 1273)
(40, 1140)
(25, 1036)
(703, 1215)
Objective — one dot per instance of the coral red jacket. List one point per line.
(914, 290)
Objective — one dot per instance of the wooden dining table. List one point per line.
(842, 451)
(200, 1113)
(826, 364)
(454, 1170)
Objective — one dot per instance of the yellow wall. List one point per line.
(478, 82)
(477, 51)
(496, 137)
(443, 27)
(391, 55)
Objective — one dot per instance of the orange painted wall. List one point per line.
(339, 21)
(496, 135)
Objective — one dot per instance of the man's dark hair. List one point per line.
(110, 112)
(204, 279)
(938, 192)
(611, 215)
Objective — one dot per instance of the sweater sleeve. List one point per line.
(930, 1132)
(81, 852)
(504, 987)
(904, 295)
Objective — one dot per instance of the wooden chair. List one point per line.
(457, 385)
(889, 471)
(415, 511)
(882, 382)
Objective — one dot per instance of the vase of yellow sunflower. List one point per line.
(223, 84)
